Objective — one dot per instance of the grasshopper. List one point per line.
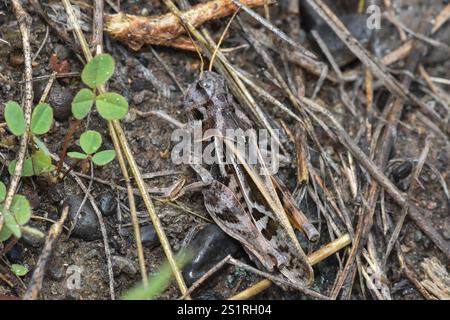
(243, 199)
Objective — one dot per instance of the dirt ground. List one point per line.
(150, 140)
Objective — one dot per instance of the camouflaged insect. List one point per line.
(232, 197)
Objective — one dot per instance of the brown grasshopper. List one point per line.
(247, 203)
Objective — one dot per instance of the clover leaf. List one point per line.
(111, 106)
(97, 71)
(90, 141)
(103, 157)
(82, 103)
(2, 191)
(41, 119)
(27, 168)
(14, 117)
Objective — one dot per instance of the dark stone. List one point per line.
(418, 236)
(141, 84)
(402, 171)
(32, 242)
(107, 203)
(123, 265)
(56, 272)
(87, 226)
(347, 13)
(148, 236)
(209, 247)
(310, 19)
(438, 53)
(59, 98)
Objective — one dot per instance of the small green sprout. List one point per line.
(18, 215)
(41, 122)
(110, 105)
(82, 103)
(41, 118)
(90, 142)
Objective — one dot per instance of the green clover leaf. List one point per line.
(90, 141)
(82, 103)
(103, 157)
(111, 106)
(41, 119)
(97, 71)
(14, 118)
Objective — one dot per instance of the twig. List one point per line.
(35, 283)
(314, 258)
(205, 276)
(136, 31)
(97, 29)
(24, 25)
(275, 279)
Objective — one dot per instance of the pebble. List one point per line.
(209, 247)
(148, 236)
(59, 98)
(94, 253)
(30, 241)
(402, 171)
(123, 265)
(87, 226)
(107, 203)
(56, 272)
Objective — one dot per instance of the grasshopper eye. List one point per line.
(205, 85)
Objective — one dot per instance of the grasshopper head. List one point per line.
(206, 97)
